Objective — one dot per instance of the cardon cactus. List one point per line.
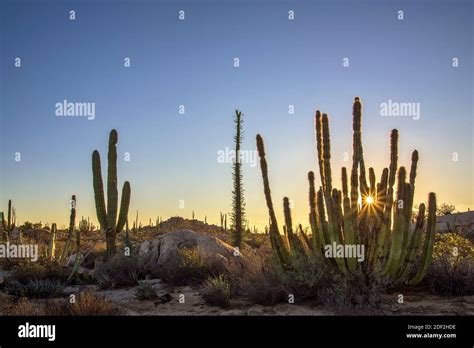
(365, 212)
(72, 224)
(52, 243)
(107, 216)
(9, 224)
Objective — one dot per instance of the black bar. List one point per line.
(240, 330)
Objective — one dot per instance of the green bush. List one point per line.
(448, 278)
(120, 271)
(35, 288)
(217, 291)
(145, 291)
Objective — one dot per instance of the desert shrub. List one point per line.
(259, 282)
(87, 304)
(120, 271)
(452, 270)
(21, 307)
(192, 266)
(26, 271)
(217, 291)
(145, 291)
(450, 277)
(35, 288)
(305, 277)
(452, 246)
(358, 293)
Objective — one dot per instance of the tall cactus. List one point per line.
(367, 212)
(72, 224)
(107, 216)
(9, 224)
(52, 243)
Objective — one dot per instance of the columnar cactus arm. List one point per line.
(319, 145)
(99, 190)
(322, 216)
(112, 192)
(124, 205)
(318, 238)
(52, 242)
(429, 241)
(295, 242)
(357, 143)
(327, 186)
(275, 237)
(414, 246)
(398, 234)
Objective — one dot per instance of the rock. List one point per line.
(164, 248)
(163, 299)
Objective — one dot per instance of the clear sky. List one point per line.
(190, 63)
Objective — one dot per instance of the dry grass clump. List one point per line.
(35, 288)
(86, 304)
(145, 291)
(259, 282)
(120, 271)
(217, 291)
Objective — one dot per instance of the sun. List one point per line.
(369, 199)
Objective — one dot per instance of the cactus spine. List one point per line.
(107, 216)
(364, 212)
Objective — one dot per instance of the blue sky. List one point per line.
(282, 62)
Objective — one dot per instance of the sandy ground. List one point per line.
(187, 300)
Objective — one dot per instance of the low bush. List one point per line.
(145, 291)
(22, 307)
(87, 304)
(35, 288)
(448, 277)
(217, 291)
(259, 282)
(26, 271)
(355, 294)
(120, 271)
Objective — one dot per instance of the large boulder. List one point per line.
(164, 249)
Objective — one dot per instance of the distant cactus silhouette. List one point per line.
(52, 243)
(72, 223)
(9, 224)
(107, 216)
(369, 213)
